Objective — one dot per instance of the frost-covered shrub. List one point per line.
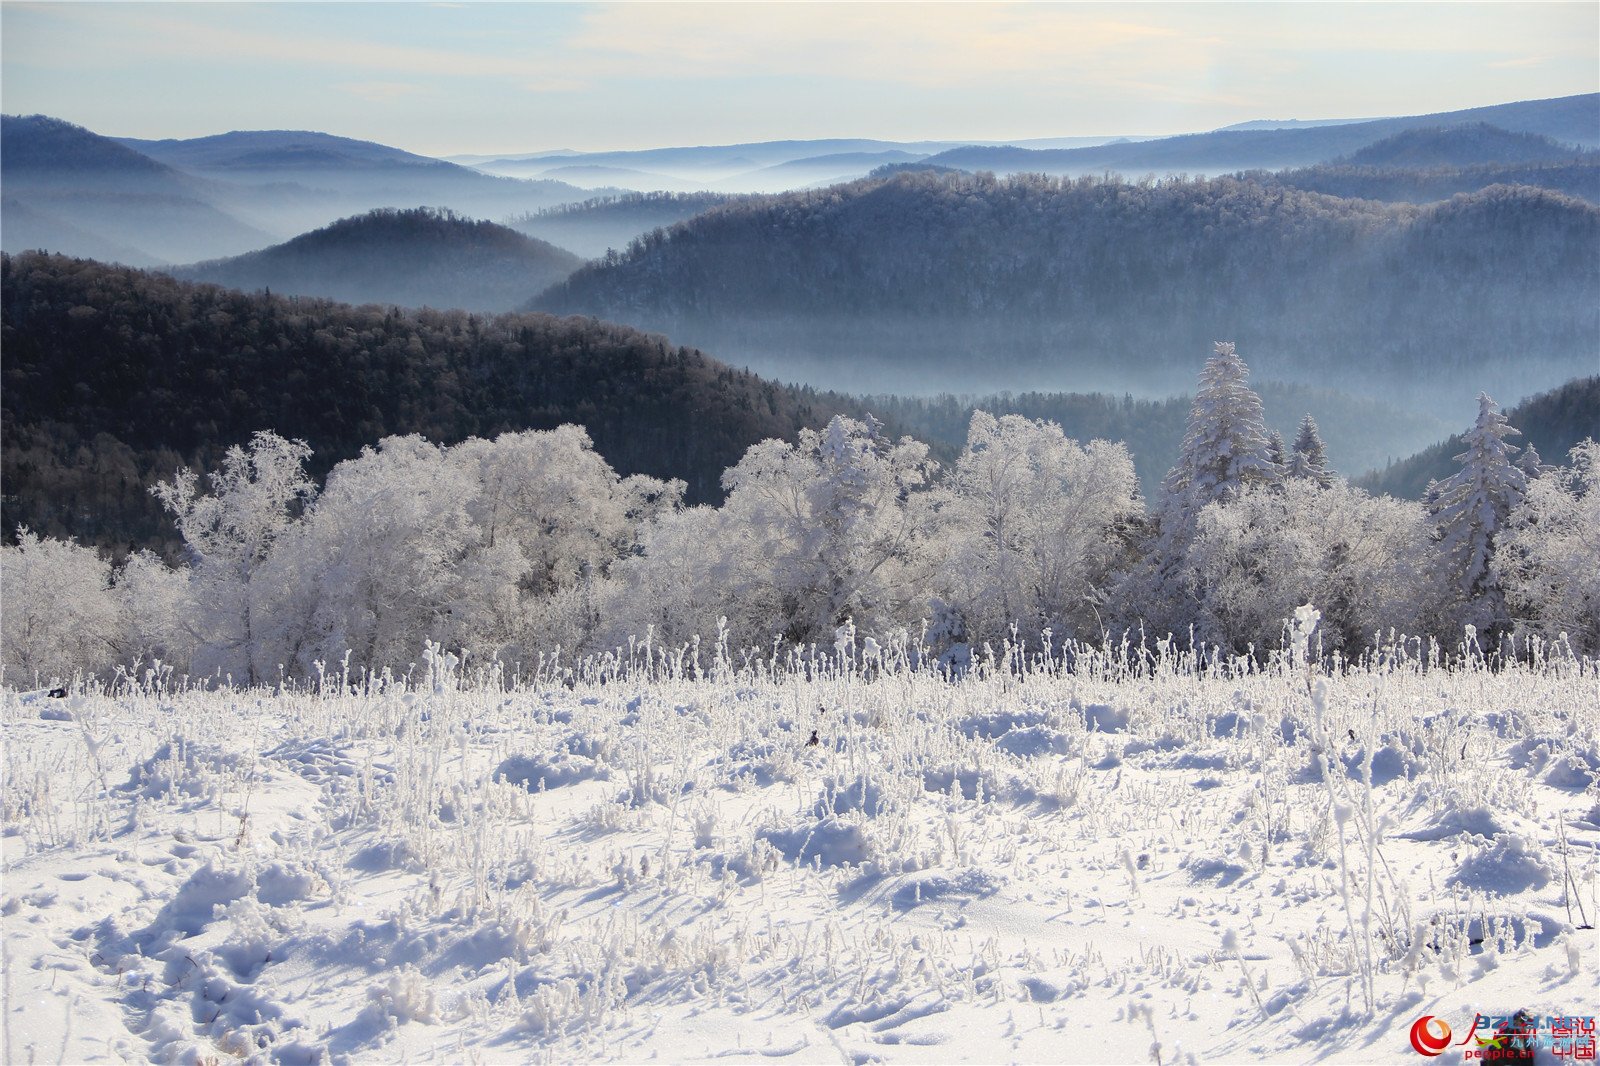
(61, 616)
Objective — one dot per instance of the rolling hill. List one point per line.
(114, 377)
(413, 258)
(1471, 144)
(935, 282)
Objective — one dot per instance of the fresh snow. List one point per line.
(1173, 863)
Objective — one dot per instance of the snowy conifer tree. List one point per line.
(1225, 448)
(1531, 463)
(1225, 451)
(1471, 507)
(1277, 454)
(1310, 458)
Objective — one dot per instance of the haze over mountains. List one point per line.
(1396, 258)
(924, 282)
(1266, 145)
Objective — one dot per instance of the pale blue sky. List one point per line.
(503, 77)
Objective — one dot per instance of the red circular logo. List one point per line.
(1430, 1035)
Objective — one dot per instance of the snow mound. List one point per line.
(840, 796)
(181, 768)
(1104, 718)
(1574, 771)
(1454, 821)
(1507, 865)
(997, 723)
(1033, 741)
(833, 841)
(1219, 871)
(542, 772)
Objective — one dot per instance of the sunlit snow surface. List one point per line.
(1039, 869)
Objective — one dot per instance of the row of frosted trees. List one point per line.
(512, 547)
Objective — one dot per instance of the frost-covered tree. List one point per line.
(1548, 557)
(678, 585)
(1531, 463)
(1471, 508)
(833, 527)
(494, 547)
(377, 566)
(1276, 452)
(156, 602)
(1225, 449)
(1310, 459)
(562, 505)
(1364, 561)
(61, 617)
(1032, 525)
(230, 531)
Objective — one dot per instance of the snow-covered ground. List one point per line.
(1095, 867)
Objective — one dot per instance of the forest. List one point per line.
(1101, 283)
(114, 377)
(528, 544)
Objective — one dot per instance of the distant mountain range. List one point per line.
(414, 258)
(1571, 120)
(923, 282)
(156, 202)
(768, 166)
(170, 201)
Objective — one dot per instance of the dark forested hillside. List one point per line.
(971, 283)
(597, 225)
(113, 377)
(1552, 422)
(420, 257)
(1463, 145)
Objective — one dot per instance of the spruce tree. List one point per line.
(1225, 449)
(1310, 458)
(1471, 507)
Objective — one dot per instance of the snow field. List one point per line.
(1170, 865)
